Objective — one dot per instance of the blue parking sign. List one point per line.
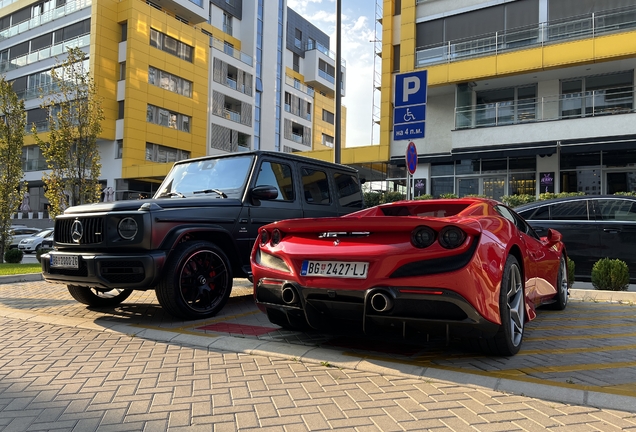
(410, 88)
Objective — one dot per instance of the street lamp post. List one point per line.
(337, 143)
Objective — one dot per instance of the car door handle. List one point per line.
(539, 229)
(612, 230)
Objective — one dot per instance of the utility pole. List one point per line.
(337, 141)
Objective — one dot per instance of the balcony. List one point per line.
(558, 107)
(34, 165)
(45, 53)
(230, 50)
(232, 115)
(299, 86)
(67, 9)
(34, 93)
(592, 26)
(319, 71)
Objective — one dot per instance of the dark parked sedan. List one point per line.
(592, 226)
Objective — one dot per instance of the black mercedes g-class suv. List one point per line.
(195, 235)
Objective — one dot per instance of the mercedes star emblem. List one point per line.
(77, 231)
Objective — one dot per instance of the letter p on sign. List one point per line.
(410, 89)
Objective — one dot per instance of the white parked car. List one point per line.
(34, 242)
(18, 233)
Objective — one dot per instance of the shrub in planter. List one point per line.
(517, 200)
(39, 253)
(571, 267)
(610, 274)
(392, 197)
(448, 195)
(423, 197)
(372, 199)
(13, 256)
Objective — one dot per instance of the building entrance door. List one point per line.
(494, 187)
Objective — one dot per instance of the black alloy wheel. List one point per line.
(98, 297)
(197, 281)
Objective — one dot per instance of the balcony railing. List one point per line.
(232, 115)
(44, 53)
(40, 126)
(323, 49)
(5, 3)
(618, 100)
(34, 93)
(594, 25)
(34, 165)
(230, 50)
(326, 76)
(67, 9)
(299, 86)
(297, 138)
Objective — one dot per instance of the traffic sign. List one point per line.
(411, 157)
(408, 131)
(409, 101)
(410, 89)
(411, 114)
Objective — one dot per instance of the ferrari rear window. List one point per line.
(425, 210)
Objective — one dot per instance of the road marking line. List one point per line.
(574, 337)
(509, 375)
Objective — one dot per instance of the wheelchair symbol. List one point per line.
(409, 115)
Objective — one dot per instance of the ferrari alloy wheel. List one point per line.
(561, 299)
(507, 341)
(98, 297)
(197, 282)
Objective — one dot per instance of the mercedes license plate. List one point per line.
(336, 269)
(64, 261)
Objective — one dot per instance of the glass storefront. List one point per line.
(492, 178)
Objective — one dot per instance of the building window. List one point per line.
(167, 118)
(170, 45)
(169, 82)
(296, 62)
(597, 95)
(227, 23)
(162, 154)
(327, 116)
(122, 71)
(119, 151)
(124, 31)
(327, 140)
(32, 159)
(120, 110)
(298, 39)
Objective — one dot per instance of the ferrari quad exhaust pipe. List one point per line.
(289, 295)
(381, 302)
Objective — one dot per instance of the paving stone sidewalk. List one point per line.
(55, 377)
(60, 371)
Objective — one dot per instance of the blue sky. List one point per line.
(357, 29)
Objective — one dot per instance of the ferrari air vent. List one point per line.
(335, 234)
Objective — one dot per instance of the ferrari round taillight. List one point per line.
(451, 237)
(276, 236)
(422, 237)
(264, 237)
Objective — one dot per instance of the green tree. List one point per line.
(71, 151)
(12, 124)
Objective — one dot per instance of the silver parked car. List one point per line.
(34, 242)
(21, 232)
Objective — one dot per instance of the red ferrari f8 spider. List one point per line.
(470, 265)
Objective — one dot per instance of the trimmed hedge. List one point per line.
(13, 256)
(610, 274)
